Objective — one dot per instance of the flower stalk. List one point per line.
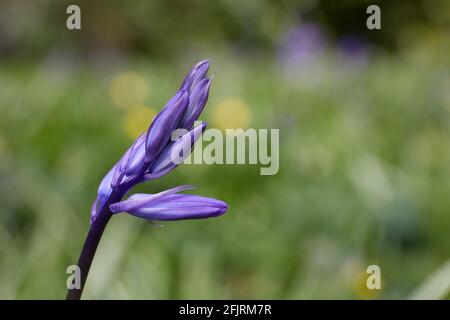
(90, 247)
(153, 155)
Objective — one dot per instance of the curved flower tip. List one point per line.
(168, 205)
(198, 97)
(196, 74)
(153, 154)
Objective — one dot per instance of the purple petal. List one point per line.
(138, 200)
(181, 206)
(137, 155)
(104, 191)
(169, 206)
(175, 153)
(164, 124)
(198, 97)
(132, 162)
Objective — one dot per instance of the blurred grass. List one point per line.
(364, 179)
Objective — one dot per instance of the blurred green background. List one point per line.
(364, 147)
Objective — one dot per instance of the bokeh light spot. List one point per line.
(137, 120)
(128, 89)
(231, 113)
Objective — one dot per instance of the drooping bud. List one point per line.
(168, 205)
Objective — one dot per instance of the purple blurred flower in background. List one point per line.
(353, 50)
(153, 155)
(300, 51)
(302, 44)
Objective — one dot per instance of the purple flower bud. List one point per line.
(164, 124)
(197, 73)
(136, 156)
(198, 97)
(168, 205)
(175, 153)
(104, 191)
(132, 162)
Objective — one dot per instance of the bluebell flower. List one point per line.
(153, 154)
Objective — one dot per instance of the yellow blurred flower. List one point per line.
(231, 113)
(137, 120)
(128, 89)
(431, 148)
